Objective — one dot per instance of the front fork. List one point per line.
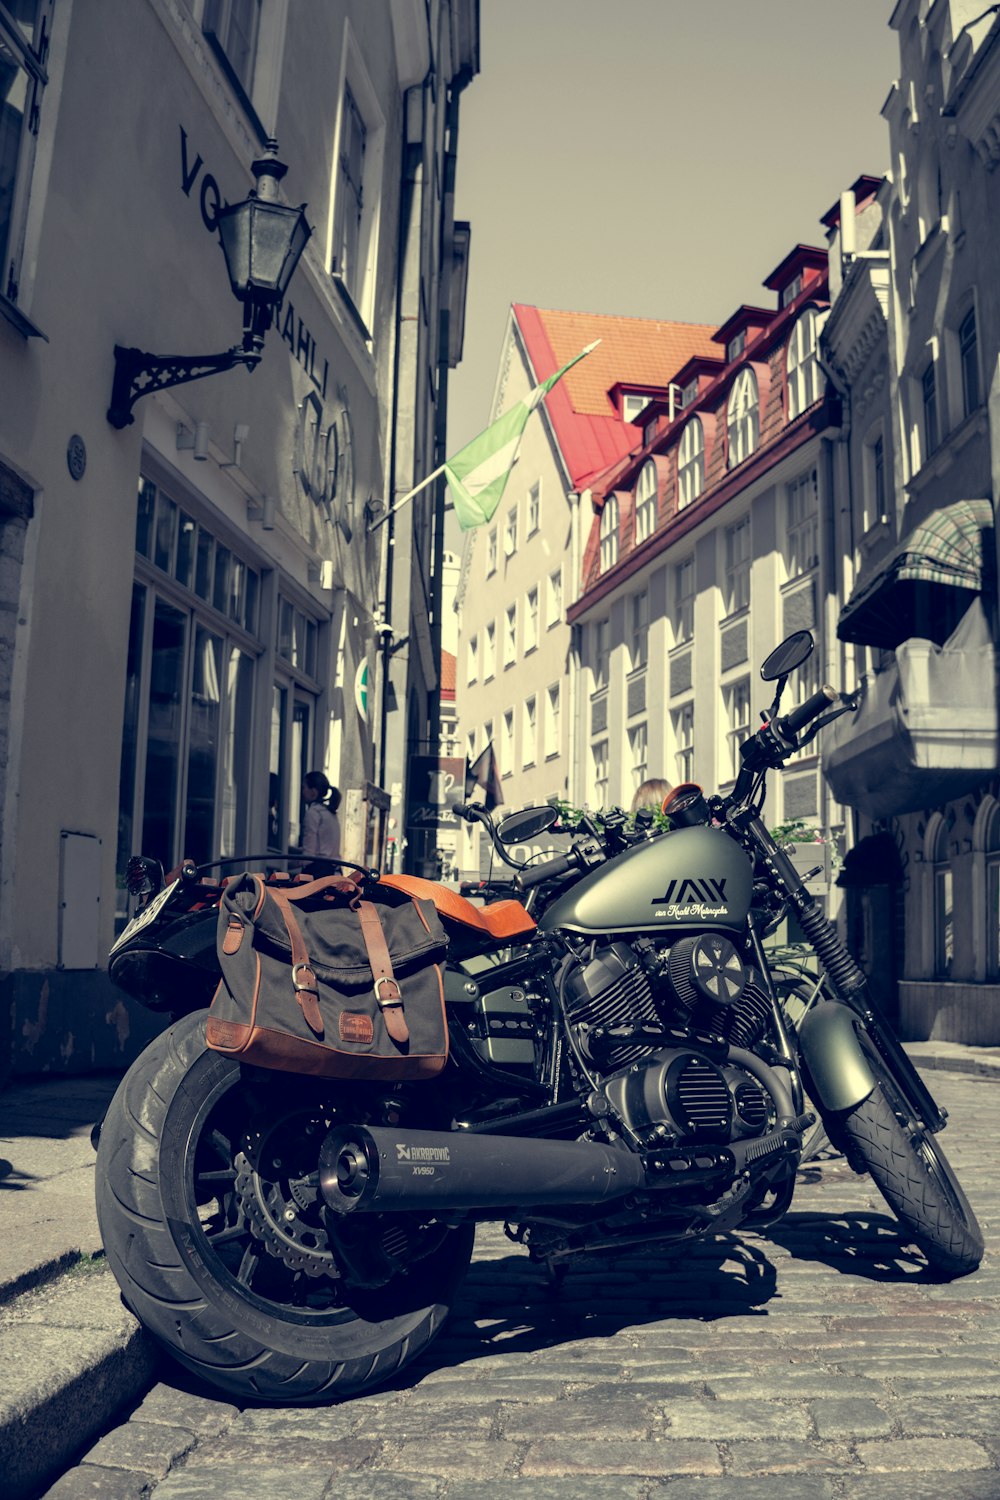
(834, 1060)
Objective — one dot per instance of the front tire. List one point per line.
(912, 1173)
(215, 1234)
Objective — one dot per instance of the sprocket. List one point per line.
(277, 1185)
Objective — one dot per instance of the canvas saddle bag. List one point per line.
(327, 979)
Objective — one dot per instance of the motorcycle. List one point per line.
(621, 1072)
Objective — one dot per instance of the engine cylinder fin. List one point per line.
(700, 1097)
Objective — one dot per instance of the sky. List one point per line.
(655, 158)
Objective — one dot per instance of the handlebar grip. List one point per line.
(548, 870)
(790, 724)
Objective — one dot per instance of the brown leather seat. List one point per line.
(500, 921)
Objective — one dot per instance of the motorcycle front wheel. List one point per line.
(209, 1210)
(912, 1173)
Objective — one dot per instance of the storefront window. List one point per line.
(235, 794)
(203, 746)
(126, 801)
(163, 732)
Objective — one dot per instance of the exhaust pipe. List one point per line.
(377, 1169)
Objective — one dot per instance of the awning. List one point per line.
(952, 550)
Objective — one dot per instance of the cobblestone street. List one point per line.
(822, 1364)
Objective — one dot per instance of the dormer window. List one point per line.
(792, 290)
(805, 385)
(690, 463)
(645, 503)
(609, 533)
(742, 418)
(736, 346)
(689, 394)
(632, 406)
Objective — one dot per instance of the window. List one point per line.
(737, 705)
(632, 405)
(689, 394)
(531, 621)
(928, 396)
(802, 533)
(969, 356)
(25, 28)
(637, 745)
(639, 611)
(491, 551)
(875, 494)
(357, 188)
(599, 773)
(553, 603)
(792, 290)
(991, 846)
(529, 748)
(297, 635)
(553, 707)
(682, 724)
(943, 901)
(510, 636)
(645, 502)
(737, 581)
(189, 690)
(510, 533)
(534, 507)
(602, 652)
(489, 652)
(684, 614)
(507, 743)
(691, 463)
(609, 533)
(742, 418)
(736, 346)
(234, 25)
(473, 671)
(805, 384)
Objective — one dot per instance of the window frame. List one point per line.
(360, 294)
(736, 595)
(646, 489)
(972, 397)
(552, 745)
(930, 424)
(601, 664)
(490, 651)
(31, 59)
(553, 598)
(684, 603)
(803, 377)
(682, 733)
(510, 635)
(531, 620)
(742, 418)
(533, 509)
(638, 618)
(690, 463)
(529, 732)
(608, 534)
(736, 696)
(801, 559)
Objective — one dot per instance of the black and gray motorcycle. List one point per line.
(620, 1073)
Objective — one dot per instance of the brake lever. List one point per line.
(848, 704)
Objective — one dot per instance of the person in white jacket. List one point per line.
(320, 824)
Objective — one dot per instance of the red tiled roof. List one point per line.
(632, 351)
(447, 674)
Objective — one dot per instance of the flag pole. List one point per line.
(374, 525)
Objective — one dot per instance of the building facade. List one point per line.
(191, 605)
(706, 547)
(515, 669)
(914, 339)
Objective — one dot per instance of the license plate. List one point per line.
(143, 918)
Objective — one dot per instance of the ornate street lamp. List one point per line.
(262, 241)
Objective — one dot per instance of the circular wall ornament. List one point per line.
(76, 456)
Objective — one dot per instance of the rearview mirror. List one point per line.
(518, 827)
(793, 651)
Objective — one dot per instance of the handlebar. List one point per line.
(790, 724)
(547, 870)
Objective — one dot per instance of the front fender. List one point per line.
(839, 1074)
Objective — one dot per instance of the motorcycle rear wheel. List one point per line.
(191, 1234)
(910, 1170)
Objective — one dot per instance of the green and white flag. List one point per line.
(478, 473)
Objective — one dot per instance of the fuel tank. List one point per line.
(690, 878)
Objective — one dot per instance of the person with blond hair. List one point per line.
(651, 794)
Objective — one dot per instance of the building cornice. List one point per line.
(859, 318)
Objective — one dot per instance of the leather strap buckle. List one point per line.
(310, 989)
(395, 999)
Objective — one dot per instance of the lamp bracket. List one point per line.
(137, 374)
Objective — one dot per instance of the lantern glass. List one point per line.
(262, 242)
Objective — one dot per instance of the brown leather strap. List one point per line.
(386, 988)
(343, 885)
(303, 978)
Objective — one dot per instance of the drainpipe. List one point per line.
(572, 707)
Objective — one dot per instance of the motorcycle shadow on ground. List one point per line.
(863, 1244)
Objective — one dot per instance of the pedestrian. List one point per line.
(651, 794)
(320, 824)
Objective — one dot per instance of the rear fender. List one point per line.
(839, 1074)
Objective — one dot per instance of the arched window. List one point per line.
(691, 463)
(986, 844)
(645, 503)
(942, 895)
(609, 533)
(805, 385)
(742, 418)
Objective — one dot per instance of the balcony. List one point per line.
(926, 730)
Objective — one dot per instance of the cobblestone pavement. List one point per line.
(820, 1364)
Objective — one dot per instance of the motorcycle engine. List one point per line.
(697, 986)
(698, 983)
